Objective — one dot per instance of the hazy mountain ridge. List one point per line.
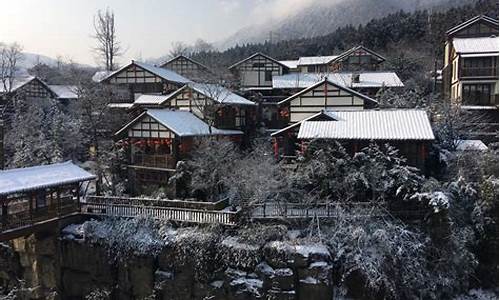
(323, 18)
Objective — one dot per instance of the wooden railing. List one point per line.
(102, 207)
(25, 218)
(189, 203)
(324, 210)
(478, 71)
(164, 161)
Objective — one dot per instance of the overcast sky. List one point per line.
(146, 28)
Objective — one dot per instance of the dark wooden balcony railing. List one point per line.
(164, 161)
(21, 218)
(479, 72)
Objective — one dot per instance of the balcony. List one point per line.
(161, 161)
(479, 72)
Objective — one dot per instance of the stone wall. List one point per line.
(73, 267)
(234, 270)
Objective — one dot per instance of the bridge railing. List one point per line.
(325, 210)
(101, 207)
(190, 203)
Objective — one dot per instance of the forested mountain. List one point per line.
(323, 17)
(420, 33)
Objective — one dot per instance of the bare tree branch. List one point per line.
(108, 47)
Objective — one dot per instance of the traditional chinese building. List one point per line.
(409, 131)
(470, 73)
(188, 68)
(367, 83)
(35, 195)
(358, 58)
(26, 87)
(324, 95)
(158, 138)
(141, 78)
(256, 72)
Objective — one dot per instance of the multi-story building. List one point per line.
(470, 73)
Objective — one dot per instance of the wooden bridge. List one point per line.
(158, 209)
(27, 221)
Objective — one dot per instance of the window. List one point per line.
(311, 69)
(477, 94)
(258, 65)
(268, 76)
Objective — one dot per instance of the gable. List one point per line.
(147, 127)
(479, 26)
(185, 66)
(134, 74)
(324, 96)
(478, 29)
(36, 89)
(259, 62)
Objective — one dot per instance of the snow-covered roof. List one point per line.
(100, 75)
(321, 113)
(471, 145)
(166, 74)
(220, 94)
(315, 60)
(366, 80)
(182, 123)
(292, 64)
(64, 91)
(120, 105)
(40, 177)
(476, 45)
(16, 83)
(371, 125)
(145, 99)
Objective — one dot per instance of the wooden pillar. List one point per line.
(31, 198)
(3, 212)
(58, 196)
(78, 185)
(355, 145)
(276, 148)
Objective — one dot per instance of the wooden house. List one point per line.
(141, 78)
(358, 58)
(158, 138)
(366, 82)
(470, 73)
(409, 130)
(325, 94)
(27, 87)
(209, 102)
(256, 72)
(40, 193)
(188, 68)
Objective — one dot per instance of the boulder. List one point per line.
(283, 279)
(236, 254)
(281, 254)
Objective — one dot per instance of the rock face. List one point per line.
(230, 269)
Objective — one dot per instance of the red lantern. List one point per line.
(284, 113)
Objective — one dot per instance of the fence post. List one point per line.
(264, 209)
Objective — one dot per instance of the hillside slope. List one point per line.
(326, 16)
